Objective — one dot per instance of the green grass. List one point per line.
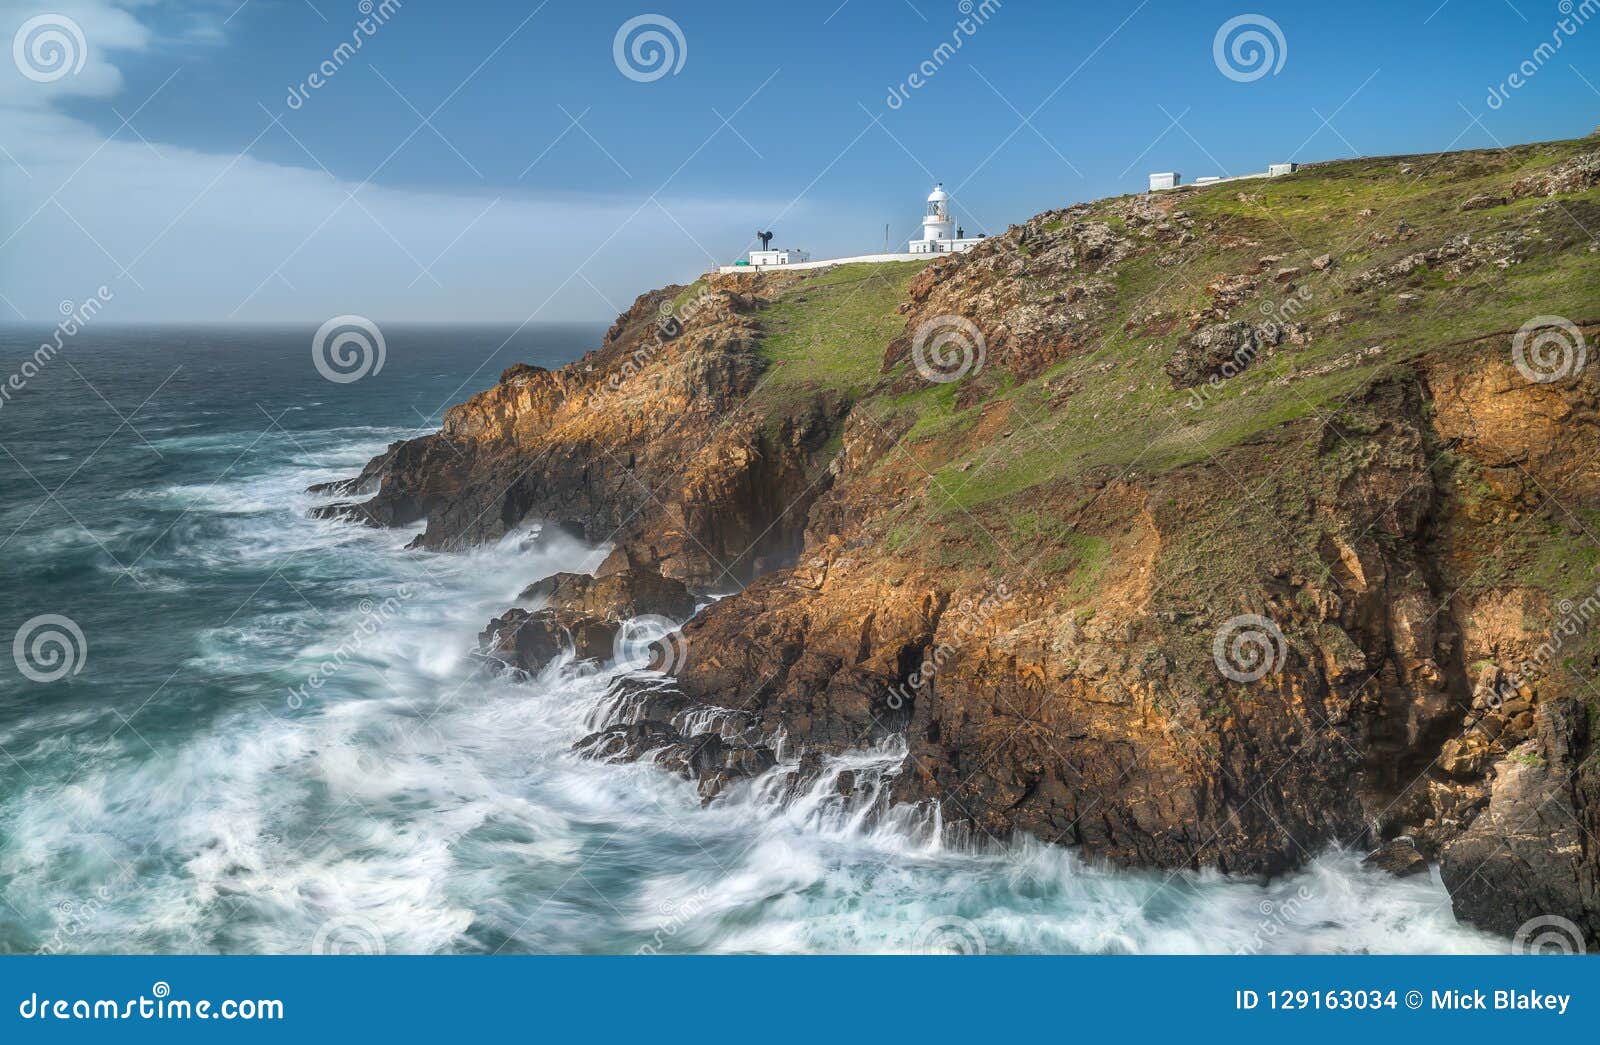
(829, 331)
(1130, 416)
(684, 296)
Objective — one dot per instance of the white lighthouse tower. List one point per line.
(939, 232)
(936, 223)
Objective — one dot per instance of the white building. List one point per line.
(1163, 180)
(787, 256)
(940, 234)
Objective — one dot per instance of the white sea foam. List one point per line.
(442, 805)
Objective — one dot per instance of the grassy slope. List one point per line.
(1111, 409)
(828, 331)
(1128, 415)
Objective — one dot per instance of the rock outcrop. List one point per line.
(1341, 594)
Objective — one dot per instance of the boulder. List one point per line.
(1399, 857)
(529, 641)
(1219, 350)
(627, 743)
(706, 758)
(1522, 858)
(632, 592)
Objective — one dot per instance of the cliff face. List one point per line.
(1201, 529)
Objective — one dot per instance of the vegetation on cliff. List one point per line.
(1206, 528)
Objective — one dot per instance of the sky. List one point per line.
(524, 162)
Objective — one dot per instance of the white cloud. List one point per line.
(185, 234)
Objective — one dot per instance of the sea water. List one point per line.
(275, 738)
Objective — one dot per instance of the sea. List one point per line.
(228, 726)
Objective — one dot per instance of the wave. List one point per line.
(328, 753)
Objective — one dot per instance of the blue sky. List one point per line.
(549, 184)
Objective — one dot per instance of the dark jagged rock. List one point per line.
(1399, 857)
(529, 641)
(1029, 577)
(706, 758)
(1218, 351)
(628, 743)
(1529, 855)
(634, 592)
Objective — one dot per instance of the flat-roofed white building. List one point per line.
(1164, 180)
(786, 256)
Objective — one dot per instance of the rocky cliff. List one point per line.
(1200, 529)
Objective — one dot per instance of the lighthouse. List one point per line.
(939, 232)
(936, 223)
